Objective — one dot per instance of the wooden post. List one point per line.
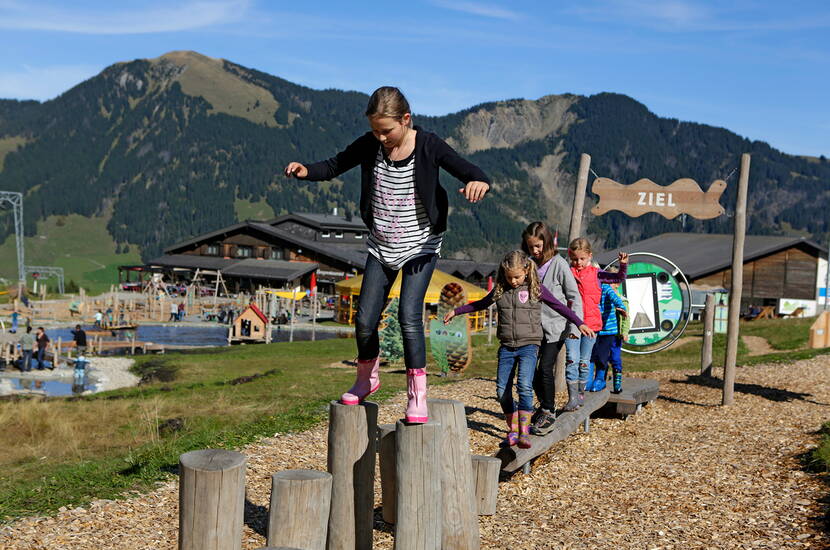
(56, 357)
(293, 309)
(708, 333)
(820, 331)
(575, 228)
(211, 500)
(559, 382)
(132, 343)
(299, 512)
(314, 316)
(460, 515)
(351, 462)
(418, 465)
(486, 473)
(386, 455)
(733, 327)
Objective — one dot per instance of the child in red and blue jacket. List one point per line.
(578, 351)
(607, 346)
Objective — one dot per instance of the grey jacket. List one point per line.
(561, 283)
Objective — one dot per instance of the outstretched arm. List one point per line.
(345, 160)
(478, 305)
(619, 276)
(566, 312)
(476, 182)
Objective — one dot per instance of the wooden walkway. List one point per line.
(514, 458)
(636, 392)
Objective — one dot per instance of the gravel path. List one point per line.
(684, 473)
(112, 372)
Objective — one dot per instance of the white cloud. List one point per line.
(477, 8)
(43, 83)
(197, 14)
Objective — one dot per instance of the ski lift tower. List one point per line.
(16, 200)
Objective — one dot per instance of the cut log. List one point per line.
(351, 462)
(418, 466)
(460, 516)
(386, 455)
(486, 474)
(211, 500)
(299, 513)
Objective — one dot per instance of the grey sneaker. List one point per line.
(544, 424)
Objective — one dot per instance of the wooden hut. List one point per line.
(250, 326)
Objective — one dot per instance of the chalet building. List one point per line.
(284, 251)
(785, 272)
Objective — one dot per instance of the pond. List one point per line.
(68, 385)
(172, 335)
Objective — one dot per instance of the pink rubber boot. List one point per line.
(416, 392)
(366, 384)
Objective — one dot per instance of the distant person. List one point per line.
(42, 345)
(15, 321)
(27, 343)
(406, 208)
(174, 312)
(180, 312)
(79, 336)
(99, 318)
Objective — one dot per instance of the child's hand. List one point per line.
(448, 317)
(623, 258)
(475, 190)
(295, 169)
(622, 312)
(586, 331)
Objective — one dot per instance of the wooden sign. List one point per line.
(684, 196)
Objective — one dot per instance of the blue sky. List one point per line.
(759, 68)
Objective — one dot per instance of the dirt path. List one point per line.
(757, 345)
(685, 473)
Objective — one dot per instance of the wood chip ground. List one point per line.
(684, 473)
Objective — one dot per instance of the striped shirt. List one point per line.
(400, 225)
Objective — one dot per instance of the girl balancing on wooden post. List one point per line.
(518, 297)
(555, 275)
(406, 210)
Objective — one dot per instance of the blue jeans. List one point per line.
(616, 354)
(377, 282)
(577, 356)
(510, 359)
(26, 360)
(40, 353)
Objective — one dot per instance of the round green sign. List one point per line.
(659, 302)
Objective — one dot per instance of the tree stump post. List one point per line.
(211, 500)
(418, 465)
(299, 512)
(351, 462)
(486, 472)
(460, 516)
(708, 334)
(386, 455)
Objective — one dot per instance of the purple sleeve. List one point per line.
(484, 303)
(559, 307)
(609, 277)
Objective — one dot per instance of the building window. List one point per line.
(243, 251)
(358, 235)
(276, 253)
(338, 235)
(325, 234)
(212, 250)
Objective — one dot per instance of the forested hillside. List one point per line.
(169, 145)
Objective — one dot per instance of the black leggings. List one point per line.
(544, 379)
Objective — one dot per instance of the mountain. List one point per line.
(163, 149)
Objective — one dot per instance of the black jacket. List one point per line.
(431, 152)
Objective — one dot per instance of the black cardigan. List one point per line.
(431, 152)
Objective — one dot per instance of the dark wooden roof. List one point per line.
(698, 255)
(322, 221)
(279, 270)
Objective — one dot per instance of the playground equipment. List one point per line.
(250, 326)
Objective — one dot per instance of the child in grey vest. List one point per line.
(518, 297)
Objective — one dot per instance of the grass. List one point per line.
(246, 209)
(64, 452)
(80, 245)
(819, 458)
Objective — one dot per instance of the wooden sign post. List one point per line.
(733, 331)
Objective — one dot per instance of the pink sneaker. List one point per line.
(366, 384)
(416, 392)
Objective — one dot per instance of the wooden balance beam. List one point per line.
(514, 458)
(635, 393)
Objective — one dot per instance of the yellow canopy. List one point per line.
(351, 287)
(288, 294)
